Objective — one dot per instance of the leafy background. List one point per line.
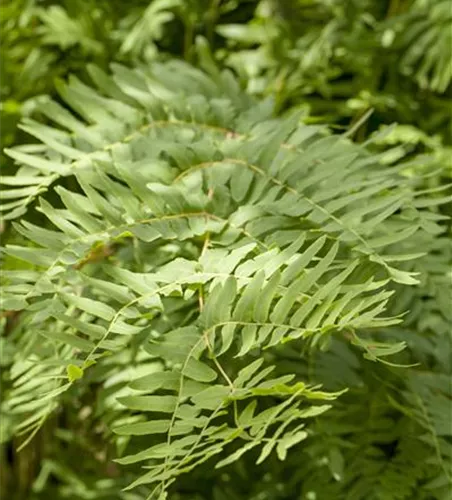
(379, 72)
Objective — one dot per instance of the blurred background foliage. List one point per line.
(339, 61)
(334, 58)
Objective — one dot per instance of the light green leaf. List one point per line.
(212, 397)
(288, 441)
(199, 371)
(160, 404)
(157, 380)
(74, 373)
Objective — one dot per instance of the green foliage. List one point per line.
(339, 58)
(206, 293)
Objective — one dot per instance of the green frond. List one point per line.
(186, 223)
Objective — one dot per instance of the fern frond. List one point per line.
(197, 227)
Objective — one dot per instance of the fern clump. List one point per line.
(217, 275)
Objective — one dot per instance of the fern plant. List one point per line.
(204, 265)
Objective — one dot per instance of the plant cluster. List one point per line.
(226, 260)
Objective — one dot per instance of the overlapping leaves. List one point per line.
(185, 221)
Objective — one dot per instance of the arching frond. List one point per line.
(187, 226)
